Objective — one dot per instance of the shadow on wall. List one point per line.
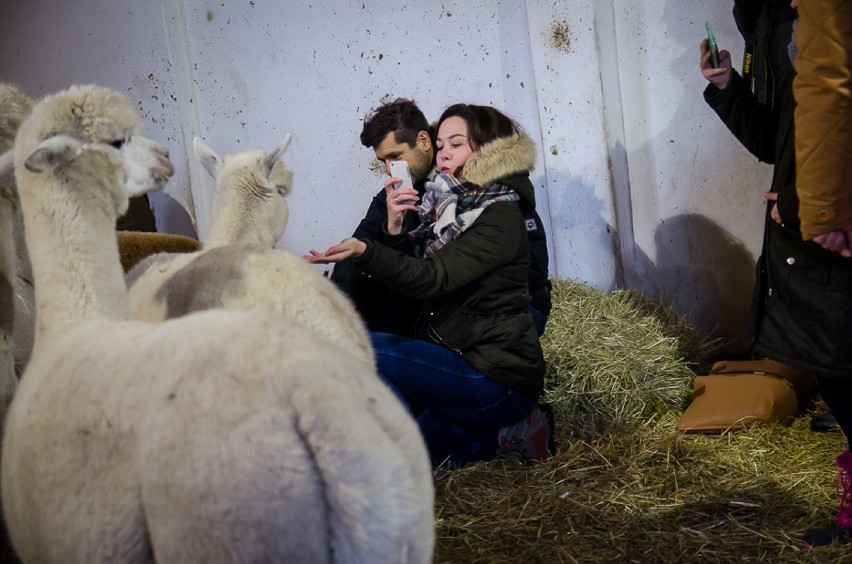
(701, 269)
(703, 272)
(582, 238)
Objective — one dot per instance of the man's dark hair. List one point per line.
(484, 123)
(401, 116)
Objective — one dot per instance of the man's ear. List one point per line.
(424, 140)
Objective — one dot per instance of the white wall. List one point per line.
(638, 182)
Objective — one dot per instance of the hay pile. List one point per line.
(626, 486)
(647, 494)
(614, 359)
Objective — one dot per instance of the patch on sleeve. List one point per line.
(530, 224)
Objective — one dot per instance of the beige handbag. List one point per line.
(739, 393)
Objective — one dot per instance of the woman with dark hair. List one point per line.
(475, 369)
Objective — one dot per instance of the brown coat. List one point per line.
(823, 91)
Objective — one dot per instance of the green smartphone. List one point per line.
(714, 50)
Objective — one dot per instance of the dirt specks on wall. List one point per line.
(560, 37)
(378, 167)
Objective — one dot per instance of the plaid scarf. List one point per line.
(449, 206)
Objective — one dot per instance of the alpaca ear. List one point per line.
(7, 168)
(51, 152)
(276, 153)
(207, 157)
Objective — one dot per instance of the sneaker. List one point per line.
(834, 533)
(531, 437)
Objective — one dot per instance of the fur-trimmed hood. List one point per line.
(501, 158)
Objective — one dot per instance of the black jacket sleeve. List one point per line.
(491, 241)
(754, 124)
(345, 274)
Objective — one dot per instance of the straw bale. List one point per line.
(613, 359)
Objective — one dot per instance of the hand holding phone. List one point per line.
(399, 169)
(714, 49)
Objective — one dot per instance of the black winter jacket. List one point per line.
(802, 307)
(475, 289)
(386, 310)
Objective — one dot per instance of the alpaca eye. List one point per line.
(119, 143)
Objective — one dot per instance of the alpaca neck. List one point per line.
(74, 254)
(234, 224)
(224, 233)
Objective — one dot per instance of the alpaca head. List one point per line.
(86, 139)
(251, 189)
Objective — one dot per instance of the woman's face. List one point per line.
(452, 144)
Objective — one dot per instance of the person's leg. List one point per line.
(837, 393)
(462, 408)
(453, 442)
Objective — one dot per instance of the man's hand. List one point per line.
(399, 200)
(837, 241)
(720, 77)
(348, 248)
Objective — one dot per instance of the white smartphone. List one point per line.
(399, 169)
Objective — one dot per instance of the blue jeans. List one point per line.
(458, 409)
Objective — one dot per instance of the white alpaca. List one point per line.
(250, 205)
(221, 436)
(239, 268)
(17, 317)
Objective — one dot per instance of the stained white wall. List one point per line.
(695, 194)
(637, 181)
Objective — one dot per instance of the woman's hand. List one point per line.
(720, 77)
(399, 201)
(348, 248)
(772, 200)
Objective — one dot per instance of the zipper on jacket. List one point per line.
(433, 334)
